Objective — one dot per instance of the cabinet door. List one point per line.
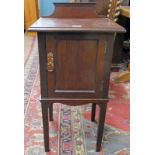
(78, 65)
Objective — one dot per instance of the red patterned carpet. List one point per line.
(72, 132)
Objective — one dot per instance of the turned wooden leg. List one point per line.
(93, 112)
(51, 111)
(45, 125)
(101, 126)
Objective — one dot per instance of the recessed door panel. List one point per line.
(76, 65)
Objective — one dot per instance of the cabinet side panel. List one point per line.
(107, 63)
(43, 63)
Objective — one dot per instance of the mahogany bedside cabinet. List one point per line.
(75, 52)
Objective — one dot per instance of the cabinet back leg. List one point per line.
(51, 111)
(45, 125)
(93, 112)
(101, 126)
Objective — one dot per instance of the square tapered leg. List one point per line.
(44, 107)
(93, 112)
(51, 111)
(101, 126)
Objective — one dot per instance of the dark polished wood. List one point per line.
(43, 63)
(51, 111)
(75, 52)
(75, 101)
(44, 107)
(76, 10)
(93, 112)
(102, 7)
(100, 130)
(75, 25)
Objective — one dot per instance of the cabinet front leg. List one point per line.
(101, 126)
(51, 111)
(45, 125)
(93, 112)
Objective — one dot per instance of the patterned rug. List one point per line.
(72, 132)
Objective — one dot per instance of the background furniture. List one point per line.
(75, 52)
(125, 76)
(119, 55)
(125, 11)
(31, 13)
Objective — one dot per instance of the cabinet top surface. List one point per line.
(75, 25)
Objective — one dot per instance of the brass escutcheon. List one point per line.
(50, 64)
